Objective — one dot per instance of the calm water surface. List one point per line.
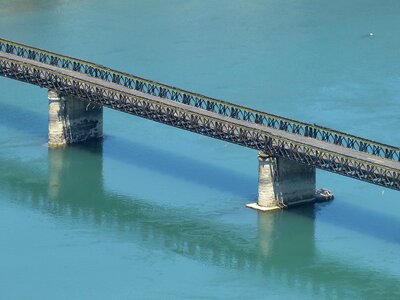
(158, 213)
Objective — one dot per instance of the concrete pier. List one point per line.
(282, 183)
(72, 120)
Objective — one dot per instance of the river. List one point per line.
(154, 212)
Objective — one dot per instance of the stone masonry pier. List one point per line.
(282, 183)
(73, 120)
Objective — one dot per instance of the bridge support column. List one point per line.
(283, 183)
(72, 120)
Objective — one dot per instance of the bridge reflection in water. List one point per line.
(283, 248)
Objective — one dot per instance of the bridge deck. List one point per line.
(271, 131)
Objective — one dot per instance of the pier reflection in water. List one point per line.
(281, 250)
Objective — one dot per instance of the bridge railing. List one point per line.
(210, 104)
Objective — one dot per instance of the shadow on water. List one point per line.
(140, 155)
(22, 120)
(283, 248)
(178, 166)
(366, 222)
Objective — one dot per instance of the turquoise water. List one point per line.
(158, 213)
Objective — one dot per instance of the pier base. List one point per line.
(72, 120)
(283, 183)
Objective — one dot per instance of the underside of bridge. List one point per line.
(283, 183)
(73, 120)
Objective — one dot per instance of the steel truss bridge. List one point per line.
(305, 143)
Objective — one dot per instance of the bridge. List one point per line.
(289, 150)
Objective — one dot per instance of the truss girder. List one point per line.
(217, 106)
(197, 122)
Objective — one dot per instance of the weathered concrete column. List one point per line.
(72, 120)
(282, 183)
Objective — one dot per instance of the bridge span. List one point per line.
(290, 150)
